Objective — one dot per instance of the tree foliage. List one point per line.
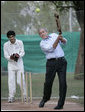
(21, 16)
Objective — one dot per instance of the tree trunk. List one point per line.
(79, 69)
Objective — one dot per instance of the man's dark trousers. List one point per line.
(52, 66)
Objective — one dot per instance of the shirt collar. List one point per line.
(47, 37)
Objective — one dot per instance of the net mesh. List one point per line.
(34, 59)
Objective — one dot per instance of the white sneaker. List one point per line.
(11, 100)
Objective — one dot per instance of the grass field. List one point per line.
(74, 87)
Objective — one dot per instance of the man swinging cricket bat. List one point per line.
(56, 62)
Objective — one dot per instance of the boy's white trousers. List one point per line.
(14, 78)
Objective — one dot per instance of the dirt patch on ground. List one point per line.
(18, 105)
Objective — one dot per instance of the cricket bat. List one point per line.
(56, 15)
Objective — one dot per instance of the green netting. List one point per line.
(34, 59)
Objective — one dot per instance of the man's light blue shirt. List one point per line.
(47, 47)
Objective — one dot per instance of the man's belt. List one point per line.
(55, 58)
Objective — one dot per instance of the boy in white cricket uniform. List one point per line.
(13, 52)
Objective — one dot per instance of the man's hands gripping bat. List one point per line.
(58, 23)
(59, 30)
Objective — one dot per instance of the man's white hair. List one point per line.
(42, 28)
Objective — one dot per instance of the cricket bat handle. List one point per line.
(58, 23)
